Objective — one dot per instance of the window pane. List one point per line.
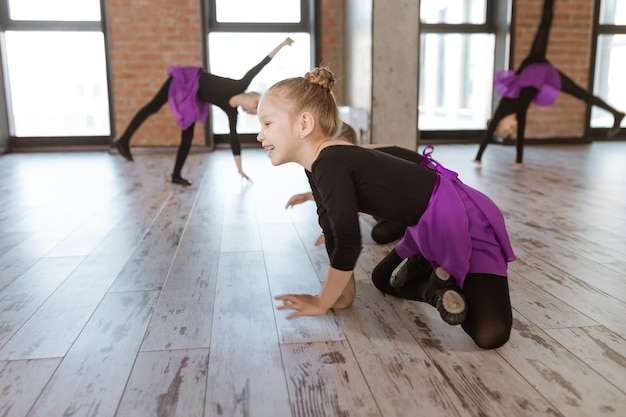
(63, 10)
(456, 75)
(453, 11)
(266, 11)
(292, 61)
(58, 83)
(609, 81)
(613, 12)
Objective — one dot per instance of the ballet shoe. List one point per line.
(443, 293)
(411, 269)
(398, 280)
(616, 126)
(177, 179)
(123, 149)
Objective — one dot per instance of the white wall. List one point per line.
(382, 41)
(358, 62)
(395, 43)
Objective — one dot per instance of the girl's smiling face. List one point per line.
(278, 133)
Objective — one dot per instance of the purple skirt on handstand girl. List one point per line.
(541, 76)
(183, 96)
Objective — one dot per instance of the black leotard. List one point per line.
(400, 152)
(519, 105)
(219, 90)
(347, 179)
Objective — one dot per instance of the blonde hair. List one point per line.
(312, 93)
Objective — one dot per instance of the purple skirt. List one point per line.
(542, 76)
(462, 230)
(183, 96)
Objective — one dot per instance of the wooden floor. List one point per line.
(122, 294)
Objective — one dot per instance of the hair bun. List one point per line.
(322, 77)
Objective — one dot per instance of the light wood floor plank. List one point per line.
(167, 383)
(246, 376)
(618, 267)
(288, 272)
(598, 306)
(9, 240)
(485, 383)
(399, 374)
(324, 379)
(572, 387)
(184, 314)
(213, 254)
(586, 271)
(26, 255)
(541, 308)
(26, 294)
(53, 328)
(91, 378)
(599, 348)
(147, 269)
(309, 232)
(21, 382)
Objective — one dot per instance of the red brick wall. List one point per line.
(333, 42)
(569, 50)
(147, 36)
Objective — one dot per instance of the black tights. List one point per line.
(489, 319)
(151, 108)
(519, 106)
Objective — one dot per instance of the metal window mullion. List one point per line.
(454, 28)
(258, 27)
(611, 29)
(39, 25)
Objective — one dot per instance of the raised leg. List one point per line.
(153, 106)
(570, 87)
(539, 46)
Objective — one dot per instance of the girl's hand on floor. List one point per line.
(298, 199)
(244, 176)
(303, 304)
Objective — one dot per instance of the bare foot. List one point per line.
(518, 165)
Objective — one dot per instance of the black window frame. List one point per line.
(499, 22)
(40, 142)
(310, 13)
(598, 133)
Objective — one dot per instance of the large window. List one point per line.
(609, 81)
(290, 62)
(240, 33)
(457, 50)
(55, 69)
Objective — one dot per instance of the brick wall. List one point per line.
(569, 50)
(333, 42)
(147, 36)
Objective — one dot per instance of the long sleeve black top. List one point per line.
(346, 180)
(219, 90)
